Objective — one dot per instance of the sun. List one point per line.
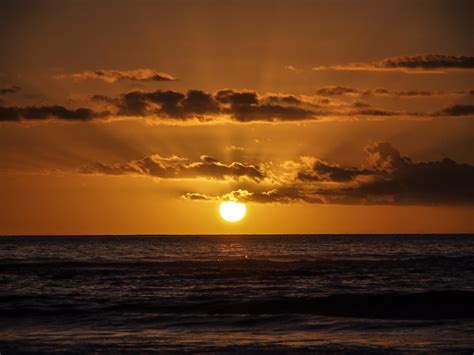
(232, 211)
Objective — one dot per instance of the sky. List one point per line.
(141, 117)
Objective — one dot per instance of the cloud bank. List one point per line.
(389, 178)
(112, 76)
(238, 106)
(39, 113)
(411, 64)
(175, 167)
(334, 91)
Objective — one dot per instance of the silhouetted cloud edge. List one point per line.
(411, 64)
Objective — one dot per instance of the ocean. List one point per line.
(237, 293)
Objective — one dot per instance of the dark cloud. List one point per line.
(456, 110)
(228, 104)
(8, 114)
(268, 112)
(360, 104)
(167, 103)
(242, 106)
(111, 76)
(374, 112)
(132, 104)
(415, 93)
(396, 179)
(236, 98)
(391, 178)
(428, 62)
(329, 91)
(247, 106)
(9, 90)
(284, 99)
(401, 181)
(103, 98)
(198, 102)
(424, 63)
(323, 171)
(179, 168)
(412, 93)
(336, 91)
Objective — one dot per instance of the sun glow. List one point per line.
(232, 211)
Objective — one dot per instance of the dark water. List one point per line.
(219, 294)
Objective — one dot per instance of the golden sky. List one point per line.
(122, 117)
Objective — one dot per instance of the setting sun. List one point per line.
(232, 211)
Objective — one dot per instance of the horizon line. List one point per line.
(227, 234)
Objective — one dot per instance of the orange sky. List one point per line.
(322, 116)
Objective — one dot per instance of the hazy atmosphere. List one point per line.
(140, 116)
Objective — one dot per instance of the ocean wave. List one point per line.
(452, 304)
(9, 263)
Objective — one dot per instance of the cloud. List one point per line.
(360, 104)
(401, 181)
(196, 196)
(179, 168)
(384, 156)
(336, 91)
(283, 195)
(236, 98)
(414, 93)
(247, 106)
(375, 112)
(329, 91)
(234, 148)
(291, 68)
(390, 178)
(227, 105)
(418, 93)
(271, 113)
(9, 90)
(423, 63)
(12, 114)
(241, 106)
(167, 103)
(319, 170)
(112, 76)
(284, 99)
(396, 179)
(456, 110)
